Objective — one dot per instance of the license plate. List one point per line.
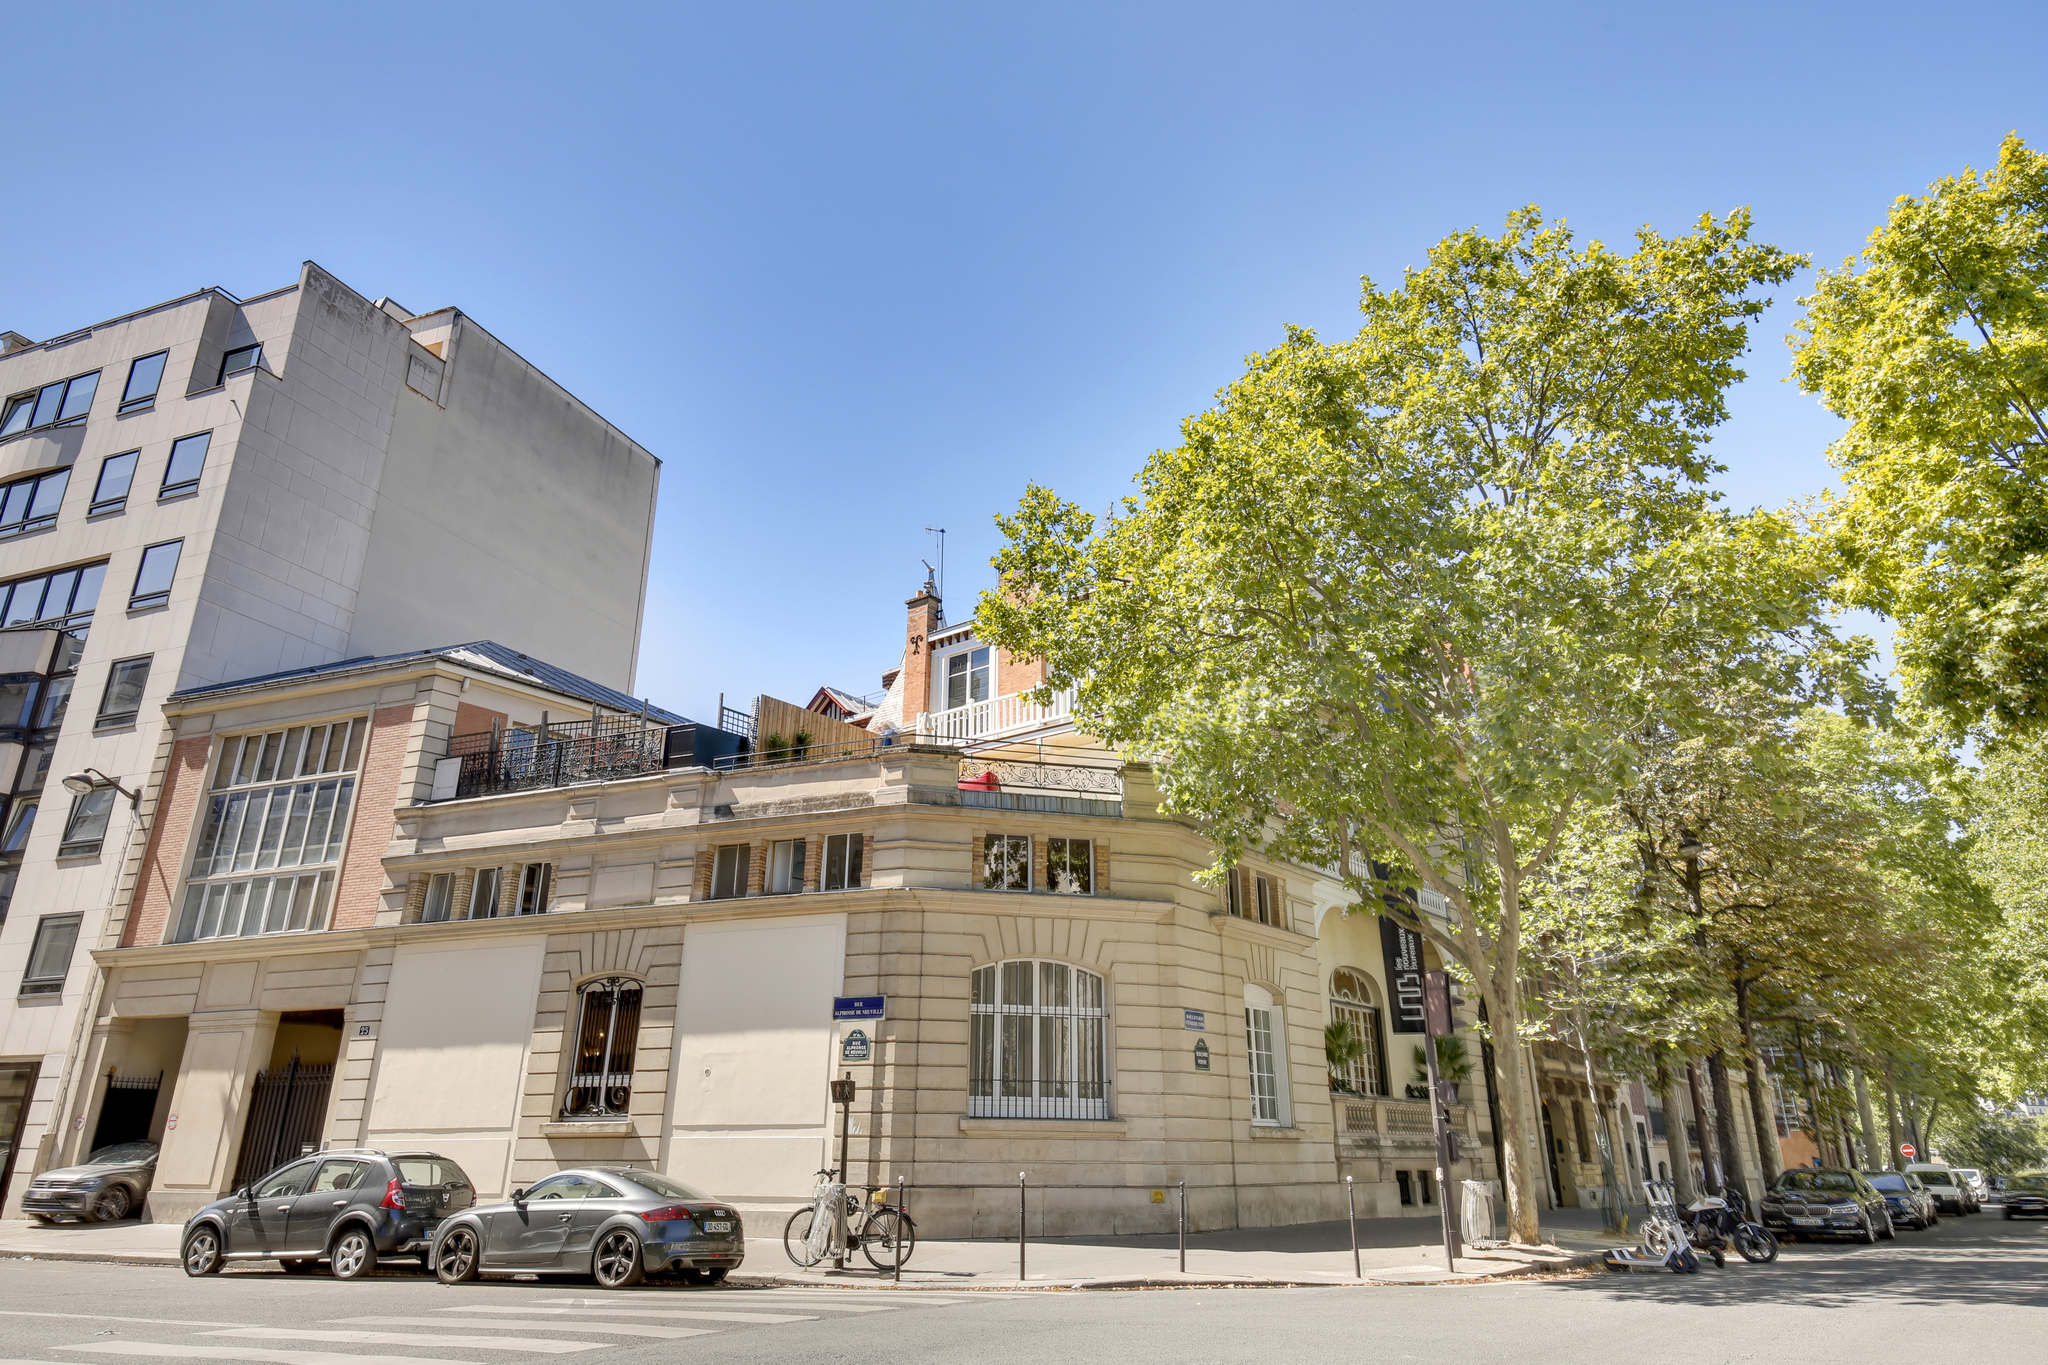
(719, 1225)
(1807, 1222)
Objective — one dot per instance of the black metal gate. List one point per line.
(126, 1110)
(284, 1117)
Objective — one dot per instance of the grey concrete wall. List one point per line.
(511, 511)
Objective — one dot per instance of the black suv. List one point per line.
(344, 1207)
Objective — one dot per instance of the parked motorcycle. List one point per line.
(1714, 1223)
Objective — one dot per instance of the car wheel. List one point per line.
(353, 1253)
(1890, 1231)
(1868, 1233)
(2008, 1215)
(110, 1204)
(460, 1258)
(200, 1254)
(616, 1263)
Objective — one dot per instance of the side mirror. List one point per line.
(247, 1192)
(519, 1196)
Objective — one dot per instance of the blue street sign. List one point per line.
(1194, 1019)
(858, 1006)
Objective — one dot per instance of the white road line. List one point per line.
(109, 1317)
(581, 1323)
(581, 1314)
(539, 1345)
(211, 1350)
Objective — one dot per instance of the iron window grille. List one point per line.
(64, 400)
(601, 1080)
(1006, 862)
(1352, 1001)
(1039, 1042)
(31, 504)
(842, 862)
(275, 823)
(1070, 867)
(188, 459)
(117, 475)
(49, 959)
(122, 700)
(145, 376)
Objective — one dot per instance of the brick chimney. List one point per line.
(926, 616)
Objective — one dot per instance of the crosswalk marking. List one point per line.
(110, 1317)
(689, 1314)
(582, 1324)
(358, 1337)
(211, 1350)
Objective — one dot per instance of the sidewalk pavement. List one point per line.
(1391, 1251)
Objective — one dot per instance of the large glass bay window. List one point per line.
(271, 841)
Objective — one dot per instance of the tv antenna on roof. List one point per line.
(940, 532)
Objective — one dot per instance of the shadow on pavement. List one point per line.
(1947, 1267)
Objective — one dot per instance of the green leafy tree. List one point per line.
(1997, 1143)
(1933, 346)
(1409, 599)
(2008, 853)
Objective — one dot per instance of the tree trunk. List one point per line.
(1674, 1134)
(1761, 1114)
(1710, 1161)
(1518, 1177)
(1927, 1149)
(1733, 1168)
(1814, 1126)
(1891, 1118)
(1869, 1116)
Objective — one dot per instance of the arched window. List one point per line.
(1039, 1042)
(601, 1068)
(1266, 1055)
(1353, 1001)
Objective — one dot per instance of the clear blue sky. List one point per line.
(856, 270)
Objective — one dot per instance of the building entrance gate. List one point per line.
(285, 1115)
(127, 1109)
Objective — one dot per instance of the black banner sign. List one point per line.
(1403, 948)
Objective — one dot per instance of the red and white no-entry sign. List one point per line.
(1905, 1149)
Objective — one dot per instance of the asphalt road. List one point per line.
(1973, 1289)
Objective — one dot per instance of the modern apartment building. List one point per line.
(217, 488)
(566, 929)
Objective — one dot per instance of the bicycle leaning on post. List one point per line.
(884, 1233)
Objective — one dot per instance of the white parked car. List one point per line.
(1949, 1192)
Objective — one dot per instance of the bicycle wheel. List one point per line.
(887, 1239)
(796, 1237)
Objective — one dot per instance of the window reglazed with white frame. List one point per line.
(1266, 1053)
(270, 844)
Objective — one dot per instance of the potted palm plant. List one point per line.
(1342, 1049)
(1453, 1065)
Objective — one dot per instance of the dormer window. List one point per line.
(969, 677)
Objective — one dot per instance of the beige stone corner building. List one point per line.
(460, 899)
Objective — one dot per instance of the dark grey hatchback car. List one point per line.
(616, 1224)
(347, 1208)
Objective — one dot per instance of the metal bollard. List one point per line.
(1183, 1227)
(1351, 1216)
(902, 1208)
(1020, 1225)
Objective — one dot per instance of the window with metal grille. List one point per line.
(1264, 1041)
(601, 1069)
(275, 822)
(1039, 1042)
(1006, 862)
(842, 862)
(1353, 1001)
